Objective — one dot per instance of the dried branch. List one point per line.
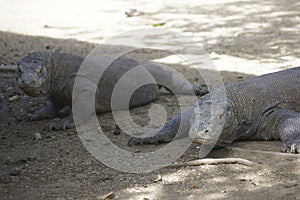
(8, 68)
(215, 161)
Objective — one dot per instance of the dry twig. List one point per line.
(8, 68)
(215, 161)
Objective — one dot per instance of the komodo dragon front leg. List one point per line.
(54, 108)
(84, 91)
(48, 112)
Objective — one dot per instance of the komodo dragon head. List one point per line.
(32, 75)
(211, 118)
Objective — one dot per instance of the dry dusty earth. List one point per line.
(245, 38)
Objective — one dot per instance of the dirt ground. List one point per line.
(258, 37)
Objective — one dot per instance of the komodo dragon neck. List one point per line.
(61, 67)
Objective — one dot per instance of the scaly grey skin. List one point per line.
(53, 74)
(262, 108)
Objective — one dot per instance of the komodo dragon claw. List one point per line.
(293, 146)
(61, 124)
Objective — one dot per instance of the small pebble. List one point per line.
(117, 130)
(131, 12)
(110, 195)
(194, 186)
(157, 179)
(14, 98)
(16, 171)
(37, 136)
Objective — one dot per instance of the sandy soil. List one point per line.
(244, 39)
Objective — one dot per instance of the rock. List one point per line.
(131, 12)
(110, 195)
(117, 130)
(14, 98)
(37, 136)
(14, 172)
(158, 179)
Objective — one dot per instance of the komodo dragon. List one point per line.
(53, 74)
(262, 108)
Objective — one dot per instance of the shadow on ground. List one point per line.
(249, 29)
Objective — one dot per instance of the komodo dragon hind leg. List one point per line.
(177, 84)
(283, 124)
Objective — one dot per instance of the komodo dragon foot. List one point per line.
(285, 124)
(60, 124)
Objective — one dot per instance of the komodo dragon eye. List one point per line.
(39, 69)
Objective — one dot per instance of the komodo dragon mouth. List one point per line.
(34, 92)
